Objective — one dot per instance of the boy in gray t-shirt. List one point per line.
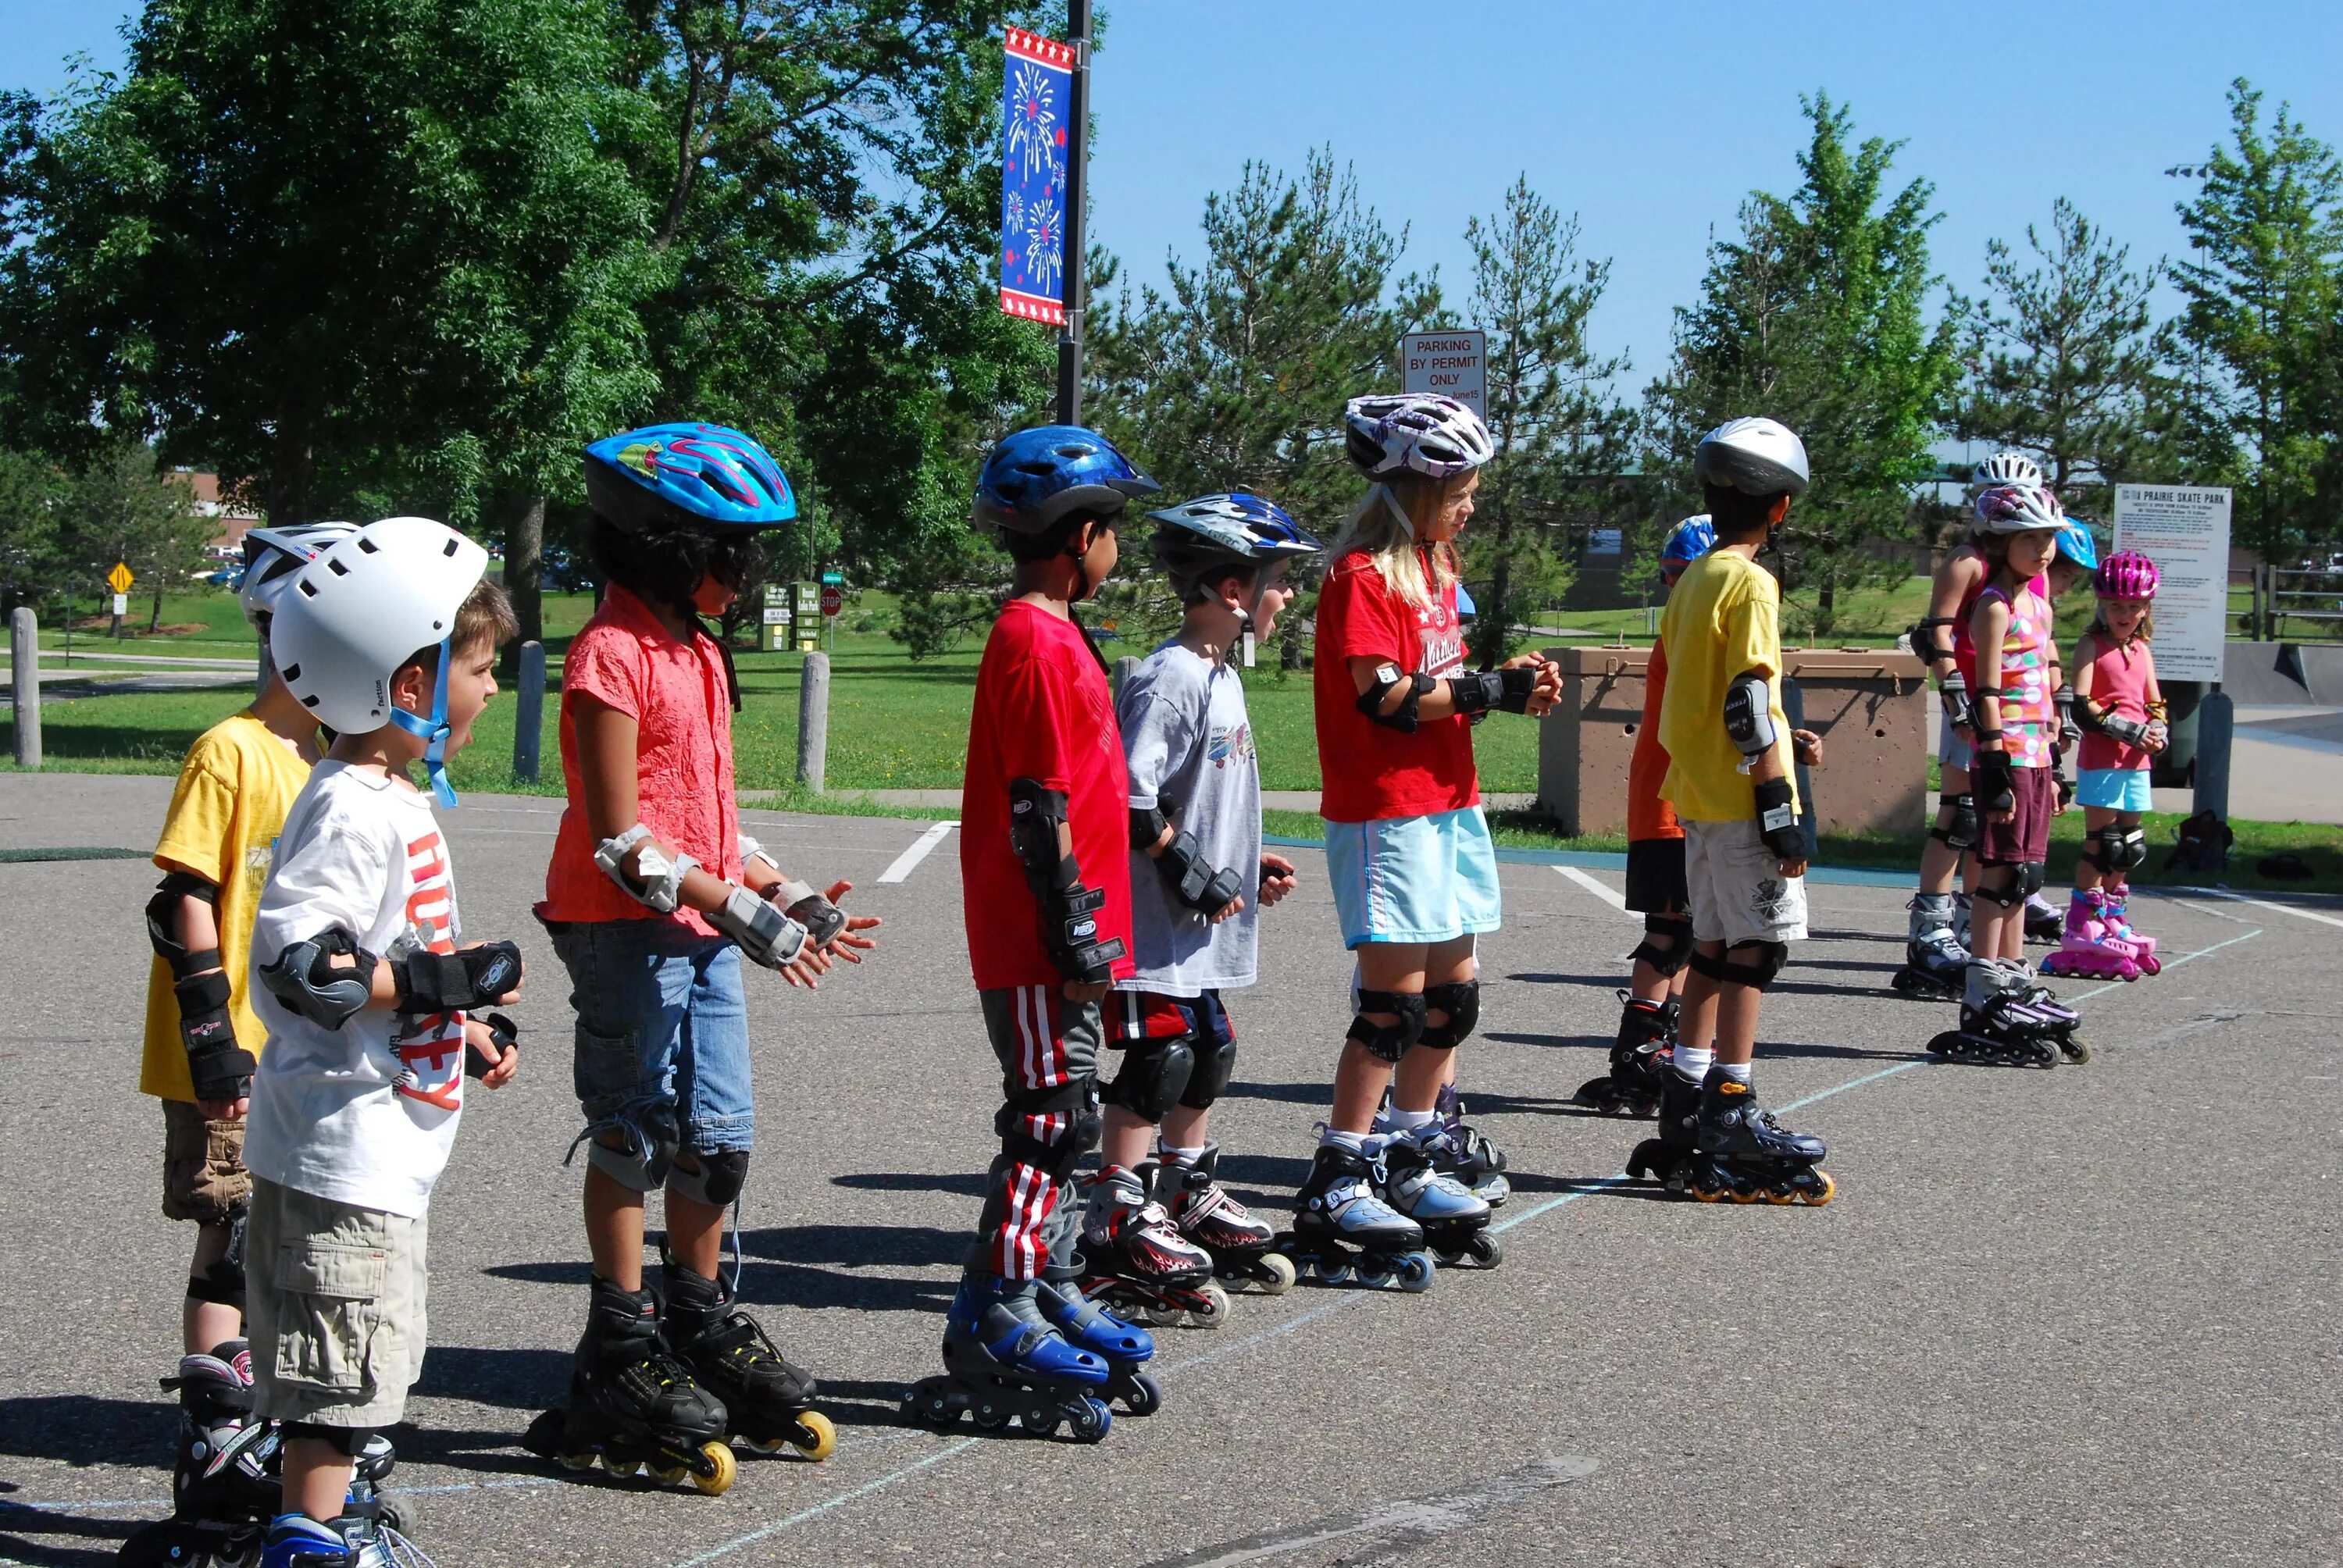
(1156, 1232)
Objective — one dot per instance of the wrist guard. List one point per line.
(1954, 689)
(766, 936)
(429, 982)
(2070, 733)
(1192, 877)
(821, 919)
(217, 1066)
(2129, 731)
(1995, 779)
(1069, 932)
(1778, 824)
(657, 882)
(1478, 692)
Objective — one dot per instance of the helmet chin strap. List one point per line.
(433, 732)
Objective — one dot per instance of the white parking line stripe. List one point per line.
(2300, 914)
(1616, 900)
(906, 863)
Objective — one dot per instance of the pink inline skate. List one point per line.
(2119, 926)
(2091, 947)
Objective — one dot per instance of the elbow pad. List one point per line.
(657, 882)
(1927, 644)
(1778, 824)
(1191, 878)
(1477, 693)
(305, 978)
(765, 935)
(468, 978)
(1036, 816)
(1749, 717)
(1403, 717)
(1148, 824)
(821, 919)
(163, 923)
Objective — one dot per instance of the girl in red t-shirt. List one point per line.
(1408, 852)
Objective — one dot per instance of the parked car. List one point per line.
(563, 571)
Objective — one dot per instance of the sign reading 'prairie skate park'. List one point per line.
(2184, 530)
(1453, 363)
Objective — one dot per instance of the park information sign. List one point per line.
(1453, 363)
(1034, 95)
(2184, 530)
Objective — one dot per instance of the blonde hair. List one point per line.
(1375, 530)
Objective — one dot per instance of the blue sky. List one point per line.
(1650, 120)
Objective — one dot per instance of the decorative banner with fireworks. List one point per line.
(1034, 99)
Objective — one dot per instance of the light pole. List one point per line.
(1078, 149)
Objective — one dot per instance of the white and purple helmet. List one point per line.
(1416, 432)
(2018, 510)
(273, 556)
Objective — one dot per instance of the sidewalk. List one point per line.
(1271, 799)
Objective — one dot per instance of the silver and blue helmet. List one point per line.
(1226, 529)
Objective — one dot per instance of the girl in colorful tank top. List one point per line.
(2016, 722)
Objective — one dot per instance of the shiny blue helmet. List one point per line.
(1688, 541)
(2076, 544)
(691, 474)
(1034, 479)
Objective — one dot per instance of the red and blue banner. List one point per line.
(1036, 95)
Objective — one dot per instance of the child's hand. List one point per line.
(1548, 689)
(847, 944)
(1807, 747)
(1234, 906)
(1794, 868)
(806, 969)
(225, 1109)
(502, 1056)
(1277, 879)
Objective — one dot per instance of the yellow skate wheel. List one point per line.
(580, 1460)
(817, 1437)
(1706, 1194)
(670, 1476)
(625, 1468)
(1280, 1269)
(719, 1480)
(1829, 1189)
(1752, 1195)
(1781, 1198)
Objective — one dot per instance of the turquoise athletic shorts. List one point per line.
(2113, 789)
(1413, 879)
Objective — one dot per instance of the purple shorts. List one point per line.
(2026, 835)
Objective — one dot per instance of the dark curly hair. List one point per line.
(667, 566)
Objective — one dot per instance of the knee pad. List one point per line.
(1070, 1126)
(1957, 820)
(1666, 961)
(2009, 897)
(642, 1166)
(349, 1442)
(1216, 1055)
(2131, 853)
(2029, 878)
(1389, 1041)
(2102, 848)
(1764, 960)
(717, 1182)
(1156, 1074)
(221, 1283)
(1461, 1000)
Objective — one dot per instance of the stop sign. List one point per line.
(833, 599)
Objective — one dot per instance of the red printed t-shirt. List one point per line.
(1042, 713)
(675, 693)
(1370, 771)
(1649, 815)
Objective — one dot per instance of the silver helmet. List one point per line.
(1756, 456)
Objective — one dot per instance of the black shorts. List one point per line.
(1656, 877)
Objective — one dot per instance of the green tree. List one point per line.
(1560, 435)
(2257, 341)
(1815, 315)
(2058, 359)
(123, 507)
(33, 563)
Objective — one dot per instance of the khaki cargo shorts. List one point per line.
(1739, 891)
(204, 1178)
(335, 1307)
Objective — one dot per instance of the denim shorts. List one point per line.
(2113, 789)
(663, 1031)
(1413, 879)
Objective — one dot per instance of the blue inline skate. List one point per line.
(1341, 1226)
(1417, 1183)
(1004, 1362)
(1124, 1345)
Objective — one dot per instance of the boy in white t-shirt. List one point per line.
(390, 639)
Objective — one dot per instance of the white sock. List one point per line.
(1354, 1142)
(1408, 1121)
(1693, 1061)
(1737, 1071)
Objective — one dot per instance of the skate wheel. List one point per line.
(1372, 1270)
(1414, 1273)
(2149, 964)
(1091, 1420)
(1212, 1308)
(1161, 1315)
(2077, 1049)
(623, 1468)
(1040, 1420)
(931, 1405)
(1279, 1274)
(987, 1416)
(1329, 1271)
(815, 1436)
(1144, 1396)
(669, 1475)
(1486, 1251)
(575, 1462)
(722, 1472)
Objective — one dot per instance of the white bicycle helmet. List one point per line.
(363, 607)
(272, 557)
(1420, 432)
(2008, 468)
(2018, 510)
(1756, 456)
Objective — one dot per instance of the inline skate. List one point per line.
(2118, 917)
(1004, 1362)
(2044, 927)
(1639, 1060)
(221, 1507)
(1136, 1260)
(633, 1406)
(2091, 948)
(1241, 1244)
(366, 1535)
(1667, 1159)
(2002, 1023)
(1469, 1157)
(1341, 1226)
(1454, 1222)
(769, 1397)
(1740, 1152)
(1124, 1345)
(1935, 959)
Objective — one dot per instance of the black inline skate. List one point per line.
(1935, 962)
(222, 1506)
(2003, 1023)
(1740, 1152)
(1241, 1242)
(1639, 1060)
(769, 1397)
(1004, 1362)
(1341, 1226)
(2044, 926)
(1455, 1223)
(633, 1406)
(1667, 1158)
(1135, 1260)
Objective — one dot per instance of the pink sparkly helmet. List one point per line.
(2127, 574)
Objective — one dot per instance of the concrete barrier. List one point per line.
(2284, 674)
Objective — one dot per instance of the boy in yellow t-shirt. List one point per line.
(203, 1039)
(1730, 750)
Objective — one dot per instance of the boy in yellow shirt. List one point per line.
(203, 1039)
(1729, 750)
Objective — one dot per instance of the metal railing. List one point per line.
(2307, 594)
